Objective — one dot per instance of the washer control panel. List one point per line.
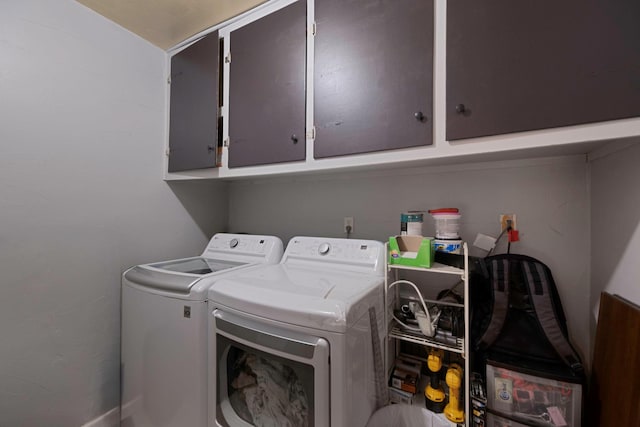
(253, 247)
(364, 253)
(240, 243)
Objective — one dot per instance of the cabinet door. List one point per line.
(193, 111)
(267, 89)
(372, 75)
(522, 65)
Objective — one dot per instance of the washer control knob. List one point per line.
(324, 248)
(233, 243)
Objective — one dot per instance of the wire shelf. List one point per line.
(435, 268)
(417, 338)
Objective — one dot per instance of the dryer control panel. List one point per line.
(348, 254)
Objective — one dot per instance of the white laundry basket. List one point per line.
(405, 416)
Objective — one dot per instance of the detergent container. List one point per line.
(411, 223)
(447, 230)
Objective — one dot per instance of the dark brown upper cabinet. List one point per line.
(373, 72)
(267, 89)
(193, 110)
(523, 65)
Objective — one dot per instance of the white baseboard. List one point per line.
(108, 419)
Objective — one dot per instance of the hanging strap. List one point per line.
(537, 281)
(499, 273)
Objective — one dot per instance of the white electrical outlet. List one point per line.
(348, 224)
(507, 217)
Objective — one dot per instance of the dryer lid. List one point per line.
(316, 298)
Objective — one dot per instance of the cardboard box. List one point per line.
(399, 396)
(404, 379)
(413, 251)
(409, 363)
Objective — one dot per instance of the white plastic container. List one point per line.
(447, 223)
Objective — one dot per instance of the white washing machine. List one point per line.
(291, 344)
(164, 330)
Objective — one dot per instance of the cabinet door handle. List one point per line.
(210, 148)
(419, 116)
(294, 138)
(461, 109)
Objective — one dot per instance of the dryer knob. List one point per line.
(233, 243)
(324, 248)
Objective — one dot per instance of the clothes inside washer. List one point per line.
(266, 393)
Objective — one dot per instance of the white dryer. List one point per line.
(291, 344)
(164, 330)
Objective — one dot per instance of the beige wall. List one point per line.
(549, 196)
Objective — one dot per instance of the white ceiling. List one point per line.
(165, 23)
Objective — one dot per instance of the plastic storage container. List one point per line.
(533, 400)
(447, 223)
(494, 420)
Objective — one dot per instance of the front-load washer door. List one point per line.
(267, 376)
